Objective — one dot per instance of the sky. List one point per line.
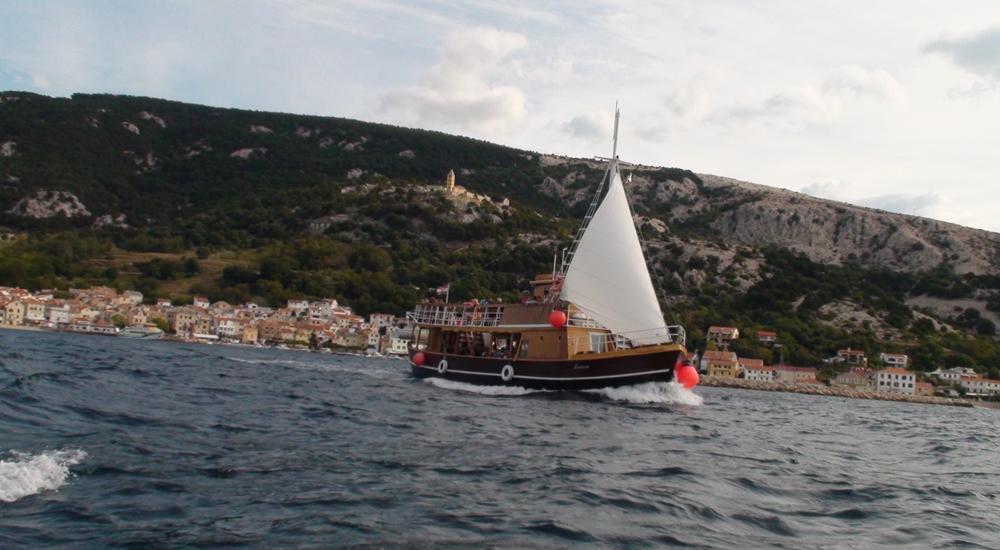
(889, 104)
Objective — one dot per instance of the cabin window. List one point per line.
(598, 343)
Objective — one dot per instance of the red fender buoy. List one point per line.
(686, 375)
(557, 318)
(418, 358)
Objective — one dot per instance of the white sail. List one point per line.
(607, 276)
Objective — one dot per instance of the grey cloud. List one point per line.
(590, 126)
(978, 53)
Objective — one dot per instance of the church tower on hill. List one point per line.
(449, 182)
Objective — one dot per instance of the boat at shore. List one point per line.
(594, 322)
(143, 333)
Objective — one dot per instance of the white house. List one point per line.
(954, 375)
(899, 360)
(893, 380)
(981, 386)
(379, 320)
(758, 372)
(59, 315)
(398, 346)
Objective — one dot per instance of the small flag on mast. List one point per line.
(445, 290)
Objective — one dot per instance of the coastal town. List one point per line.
(323, 324)
(887, 375)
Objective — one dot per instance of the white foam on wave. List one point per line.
(266, 361)
(652, 392)
(24, 474)
(484, 390)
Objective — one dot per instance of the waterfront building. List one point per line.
(759, 373)
(58, 314)
(14, 313)
(856, 377)
(182, 320)
(789, 373)
(977, 386)
(723, 361)
(894, 380)
(954, 375)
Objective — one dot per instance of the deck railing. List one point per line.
(455, 315)
(461, 315)
(598, 342)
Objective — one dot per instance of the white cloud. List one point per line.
(466, 87)
(827, 189)
(802, 106)
(922, 204)
(855, 81)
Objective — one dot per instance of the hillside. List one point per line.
(174, 199)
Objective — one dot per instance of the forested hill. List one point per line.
(176, 199)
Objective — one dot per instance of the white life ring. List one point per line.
(507, 373)
(442, 366)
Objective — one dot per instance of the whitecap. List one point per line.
(25, 474)
(652, 392)
(265, 361)
(484, 390)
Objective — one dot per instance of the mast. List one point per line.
(614, 145)
(567, 256)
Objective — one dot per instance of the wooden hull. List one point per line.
(634, 367)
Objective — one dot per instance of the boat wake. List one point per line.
(669, 393)
(23, 474)
(483, 390)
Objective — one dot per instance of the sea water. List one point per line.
(108, 442)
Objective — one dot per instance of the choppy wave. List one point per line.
(484, 390)
(652, 392)
(24, 474)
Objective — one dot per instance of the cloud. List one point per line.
(921, 204)
(592, 126)
(826, 189)
(791, 109)
(854, 81)
(978, 53)
(822, 104)
(465, 87)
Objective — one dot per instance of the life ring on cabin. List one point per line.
(507, 373)
(442, 366)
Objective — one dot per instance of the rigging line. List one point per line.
(586, 220)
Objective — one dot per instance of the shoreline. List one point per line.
(177, 340)
(835, 391)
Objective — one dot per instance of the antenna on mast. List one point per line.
(614, 147)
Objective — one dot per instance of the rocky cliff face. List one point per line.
(47, 204)
(726, 211)
(833, 232)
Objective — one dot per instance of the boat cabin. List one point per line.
(509, 331)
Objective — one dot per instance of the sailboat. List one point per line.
(594, 322)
